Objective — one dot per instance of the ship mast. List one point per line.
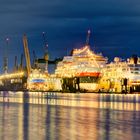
(88, 36)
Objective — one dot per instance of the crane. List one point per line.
(5, 66)
(34, 59)
(21, 62)
(27, 55)
(46, 56)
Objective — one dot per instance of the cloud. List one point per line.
(114, 24)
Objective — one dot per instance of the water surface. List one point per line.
(63, 116)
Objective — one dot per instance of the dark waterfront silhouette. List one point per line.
(61, 116)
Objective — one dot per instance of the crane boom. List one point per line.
(27, 55)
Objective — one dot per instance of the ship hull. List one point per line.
(80, 84)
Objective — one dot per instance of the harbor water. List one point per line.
(67, 116)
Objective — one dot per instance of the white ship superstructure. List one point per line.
(84, 65)
(120, 73)
(82, 62)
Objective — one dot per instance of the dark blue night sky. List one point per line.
(115, 26)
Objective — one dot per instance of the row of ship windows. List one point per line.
(116, 74)
(126, 69)
(135, 72)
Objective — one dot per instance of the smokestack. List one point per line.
(135, 59)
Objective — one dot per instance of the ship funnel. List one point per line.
(135, 59)
(117, 59)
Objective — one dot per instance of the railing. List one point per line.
(12, 75)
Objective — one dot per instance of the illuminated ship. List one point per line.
(121, 76)
(40, 81)
(82, 70)
(37, 81)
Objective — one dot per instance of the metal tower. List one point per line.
(46, 55)
(5, 66)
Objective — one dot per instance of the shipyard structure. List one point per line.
(82, 71)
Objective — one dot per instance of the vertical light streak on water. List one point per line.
(20, 123)
(122, 117)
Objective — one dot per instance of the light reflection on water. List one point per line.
(63, 116)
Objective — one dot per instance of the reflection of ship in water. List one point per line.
(121, 76)
(116, 112)
(33, 120)
(84, 116)
(82, 70)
